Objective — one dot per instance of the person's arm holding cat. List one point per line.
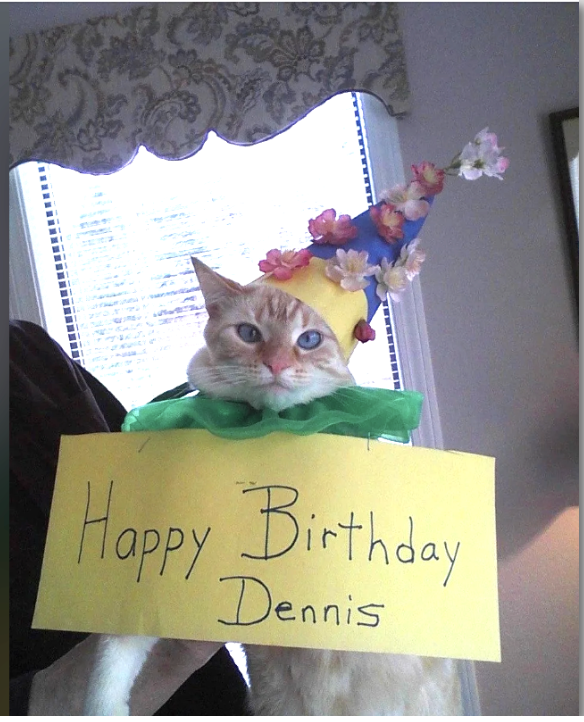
(51, 395)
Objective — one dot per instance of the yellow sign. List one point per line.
(320, 541)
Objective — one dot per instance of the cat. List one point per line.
(264, 346)
(267, 348)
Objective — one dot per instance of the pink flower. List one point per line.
(327, 228)
(429, 177)
(281, 264)
(350, 269)
(363, 332)
(388, 220)
(408, 200)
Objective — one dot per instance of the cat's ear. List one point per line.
(214, 287)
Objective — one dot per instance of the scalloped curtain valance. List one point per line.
(162, 76)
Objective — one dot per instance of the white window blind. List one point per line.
(112, 253)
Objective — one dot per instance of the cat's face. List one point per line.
(264, 346)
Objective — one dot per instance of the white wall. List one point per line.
(500, 314)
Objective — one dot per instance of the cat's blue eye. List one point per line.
(249, 333)
(309, 340)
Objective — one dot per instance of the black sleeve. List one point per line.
(51, 395)
(19, 694)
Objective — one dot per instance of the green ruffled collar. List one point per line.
(350, 411)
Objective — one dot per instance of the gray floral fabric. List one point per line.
(165, 74)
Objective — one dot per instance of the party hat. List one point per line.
(354, 263)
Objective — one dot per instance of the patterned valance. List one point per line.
(163, 75)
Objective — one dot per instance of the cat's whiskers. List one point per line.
(226, 372)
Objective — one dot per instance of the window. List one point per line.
(103, 262)
(112, 252)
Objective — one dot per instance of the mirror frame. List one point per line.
(558, 123)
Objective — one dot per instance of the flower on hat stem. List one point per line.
(408, 199)
(393, 278)
(482, 156)
(363, 331)
(350, 269)
(388, 220)
(327, 228)
(282, 264)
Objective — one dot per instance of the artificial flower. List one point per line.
(363, 332)
(476, 160)
(411, 258)
(484, 136)
(281, 264)
(391, 279)
(327, 228)
(407, 199)
(429, 177)
(350, 269)
(482, 156)
(388, 221)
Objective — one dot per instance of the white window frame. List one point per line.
(409, 320)
(29, 274)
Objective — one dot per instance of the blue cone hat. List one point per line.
(353, 264)
(382, 241)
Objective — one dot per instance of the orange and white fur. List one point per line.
(266, 347)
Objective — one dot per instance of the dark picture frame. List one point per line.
(564, 131)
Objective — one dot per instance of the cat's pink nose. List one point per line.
(277, 365)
